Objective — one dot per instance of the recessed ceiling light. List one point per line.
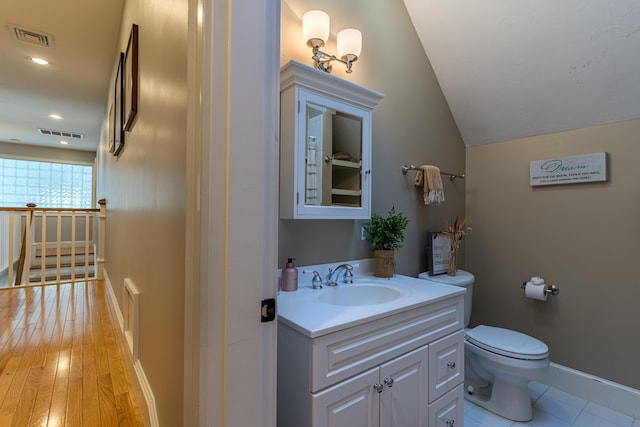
(56, 116)
(39, 61)
(64, 142)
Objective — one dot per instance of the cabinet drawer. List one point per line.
(448, 411)
(446, 364)
(345, 353)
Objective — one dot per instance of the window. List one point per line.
(48, 185)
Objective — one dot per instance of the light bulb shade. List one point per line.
(349, 44)
(315, 26)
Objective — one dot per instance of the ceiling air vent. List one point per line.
(61, 133)
(30, 36)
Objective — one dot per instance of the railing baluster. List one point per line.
(20, 269)
(73, 246)
(12, 243)
(102, 240)
(27, 247)
(58, 244)
(43, 248)
(4, 224)
(87, 217)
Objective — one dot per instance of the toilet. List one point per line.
(499, 363)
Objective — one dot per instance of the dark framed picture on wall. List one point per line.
(118, 130)
(131, 80)
(110, 123)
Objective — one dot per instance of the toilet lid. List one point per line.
(507, 343)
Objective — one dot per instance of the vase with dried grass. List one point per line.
(455, 232)
(386, 235)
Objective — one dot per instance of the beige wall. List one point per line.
(412, 124)
(145, 192)
(584, 238)
(33, 152)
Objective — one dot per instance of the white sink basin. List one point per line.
(318, 312)
(361, 294)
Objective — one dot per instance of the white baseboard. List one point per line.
(148, 394)
(142, 378)
(598, 390)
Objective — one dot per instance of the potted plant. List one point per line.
(386, 234)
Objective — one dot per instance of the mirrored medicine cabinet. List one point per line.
(325, 145)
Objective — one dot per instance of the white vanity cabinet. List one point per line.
(325, 145)
(390, 395)
(404, 370)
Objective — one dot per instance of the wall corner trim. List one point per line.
(113, 300)
(131, 304)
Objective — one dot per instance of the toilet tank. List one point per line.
(463, 279)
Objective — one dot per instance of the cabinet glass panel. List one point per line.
(333, 157)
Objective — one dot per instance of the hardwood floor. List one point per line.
(62, 362)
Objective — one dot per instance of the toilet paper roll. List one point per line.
(535, 280)
(538, 292)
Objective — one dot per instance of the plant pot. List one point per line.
(384, 263)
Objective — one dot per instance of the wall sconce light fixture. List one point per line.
(315, 30)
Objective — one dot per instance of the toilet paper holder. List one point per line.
(549, 289)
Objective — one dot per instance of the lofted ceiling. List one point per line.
(83, 37)
(513, 69)
(507, 69)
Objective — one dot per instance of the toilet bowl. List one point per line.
(499, 362)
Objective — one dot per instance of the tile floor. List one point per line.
(552, 408)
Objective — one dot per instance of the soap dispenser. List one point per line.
(290, 276)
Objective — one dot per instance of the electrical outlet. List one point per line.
(363, 234)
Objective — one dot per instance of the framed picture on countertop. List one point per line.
(438, 252)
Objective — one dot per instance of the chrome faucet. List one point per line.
(316, 282)
(347, 278)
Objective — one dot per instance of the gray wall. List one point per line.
(65, 227)
(145, 192)
(585, 238)
(412, 124)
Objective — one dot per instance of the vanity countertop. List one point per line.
(311, 312)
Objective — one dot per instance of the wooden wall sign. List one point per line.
(568, 170)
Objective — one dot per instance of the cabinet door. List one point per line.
(351, 403)
(403, 403)
(446, 364)
(448, 411)
(333, 158)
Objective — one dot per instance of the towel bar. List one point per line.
(452, 176)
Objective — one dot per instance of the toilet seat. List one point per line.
(508, 343)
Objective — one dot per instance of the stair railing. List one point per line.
(63, 232)
(24, 248)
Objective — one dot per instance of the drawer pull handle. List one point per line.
(450, 423)
(451, 365)
(388, 382)
(378, 387)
